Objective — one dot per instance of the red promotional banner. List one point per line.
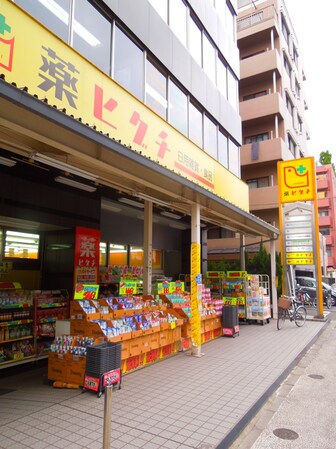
(86, 264)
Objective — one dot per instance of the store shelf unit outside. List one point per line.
(20, 318)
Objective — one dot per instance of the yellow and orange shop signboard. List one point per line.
(33, 57)
(297, 180)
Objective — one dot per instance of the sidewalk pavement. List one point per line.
(300, 414)
(182, 402)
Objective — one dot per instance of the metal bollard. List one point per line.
(107, 417)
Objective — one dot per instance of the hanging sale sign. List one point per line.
(86, 291)
(86, 264)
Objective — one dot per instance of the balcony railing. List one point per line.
(256, 17)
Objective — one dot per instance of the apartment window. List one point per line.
(128, 64)
(210, 137)
(91, 35)
(258, 183)
(161, 7)
(221, 77)
(256, 138)
(223, 149)
(195, 125)
(156, 90)
(21, 245)
(255, 95)
(297, 88)
(178, 19)
(234, 158)
(220, 6)
(232, 89)
(295, 57)
(291, 144)
(329, 251)
(195, 41)
(209, 59)
(289, 105)
(321, 194)
(285, 30)
(53, 14)
(299, 123)
(178, 108)
(325, 231)
(287, 65)
(323, 213)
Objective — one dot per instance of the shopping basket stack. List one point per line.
(100, 359)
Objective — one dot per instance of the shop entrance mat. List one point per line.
(6, 390)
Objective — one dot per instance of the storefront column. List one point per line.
(242, 252)
(196, 280)
(148, 248)
(273, 280)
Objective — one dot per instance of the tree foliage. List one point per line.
(325, 159)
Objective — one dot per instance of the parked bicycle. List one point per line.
(310, 301)
(291, 308)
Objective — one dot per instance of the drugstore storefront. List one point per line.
(75, 148)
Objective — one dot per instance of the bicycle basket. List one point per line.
(284, 303)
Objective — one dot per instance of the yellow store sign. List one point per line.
(32, 57)
(296, 179)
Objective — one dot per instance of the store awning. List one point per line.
(29, 125)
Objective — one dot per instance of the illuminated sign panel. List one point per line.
(33, 57)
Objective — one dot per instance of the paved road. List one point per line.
(301, 412)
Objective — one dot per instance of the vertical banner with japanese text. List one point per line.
(86, 263)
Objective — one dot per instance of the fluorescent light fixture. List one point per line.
(7, 162)
(108, 205)
(140, 216)
(180, 226)
(38, 157)
(171, 215)
(146, 197)
(131, 202)
(72, 183)
(61, 14)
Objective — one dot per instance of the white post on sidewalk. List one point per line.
(107, 417)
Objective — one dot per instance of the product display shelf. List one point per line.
(142, 344)
(50, 306)
(258, 304)
(16, 325)
(234, 293)
(179, 304)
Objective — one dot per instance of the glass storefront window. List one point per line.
(156, 90)
(178, 108)
(210, 137)
(195, 125)
(54, 14)
(209, 59)
(102, 253)
(221, 77)
(117, 254)
(128, 64)
(161, 8)
(91, 35)
(157, 259)
(195, 41)
(136, 256)
(234, 158)
(178, 19)
(223, 149)
(21, 245)
(232, 90)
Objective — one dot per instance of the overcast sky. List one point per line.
(314, 25)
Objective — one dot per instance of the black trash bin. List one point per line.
(100, 359)
(230, 322)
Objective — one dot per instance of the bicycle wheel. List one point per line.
(281, 318)
(300, 315)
